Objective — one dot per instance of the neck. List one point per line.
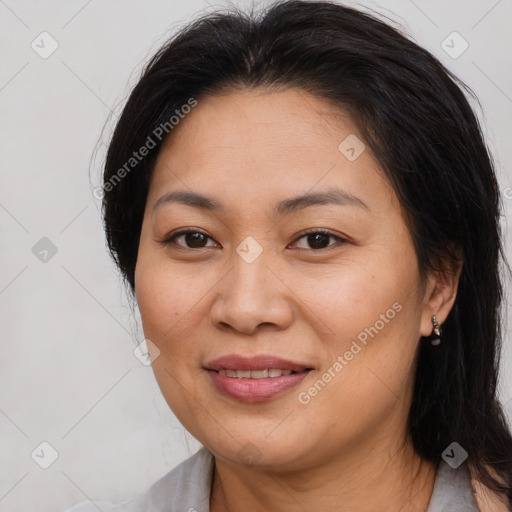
(363, 480)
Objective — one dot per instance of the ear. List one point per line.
(440, 292)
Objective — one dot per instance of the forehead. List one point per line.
(246, 119)
(259, 144)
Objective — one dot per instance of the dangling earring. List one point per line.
(437, 331)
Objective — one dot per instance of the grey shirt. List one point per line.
(186, 488)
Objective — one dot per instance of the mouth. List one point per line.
(268, 373)
(257, 378)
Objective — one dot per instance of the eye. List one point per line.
(319, 239)
(316, 238)
(192, 238)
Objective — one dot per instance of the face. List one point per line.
(287, 328)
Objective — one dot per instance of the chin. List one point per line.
(269, 452)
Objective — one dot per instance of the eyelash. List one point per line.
(170, 239)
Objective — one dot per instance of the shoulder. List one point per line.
(186, 487)
(487, 500)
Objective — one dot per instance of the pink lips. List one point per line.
(251, 389)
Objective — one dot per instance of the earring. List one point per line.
(437, 331)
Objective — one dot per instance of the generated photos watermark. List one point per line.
(157, 135)
(341, 361)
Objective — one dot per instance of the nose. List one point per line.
(251, 297)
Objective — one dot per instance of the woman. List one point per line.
(305, 210)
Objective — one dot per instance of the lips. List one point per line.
(255, 374)
(263, 362)
(256, 378)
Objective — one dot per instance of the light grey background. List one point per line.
(68, 375)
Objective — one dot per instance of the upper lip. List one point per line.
(261, 362)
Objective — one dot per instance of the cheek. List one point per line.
(370, 311)
(348, 298)
(169, 301)
(370, 353)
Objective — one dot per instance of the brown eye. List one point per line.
(192, 239)
(318, 239)
(195, 239)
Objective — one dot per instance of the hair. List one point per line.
(414, 115)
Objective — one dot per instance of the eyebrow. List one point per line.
(285, 207)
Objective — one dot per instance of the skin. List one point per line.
(348, 447)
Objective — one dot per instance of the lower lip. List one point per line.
(255, 390)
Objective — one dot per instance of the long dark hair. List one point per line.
(415, 116)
